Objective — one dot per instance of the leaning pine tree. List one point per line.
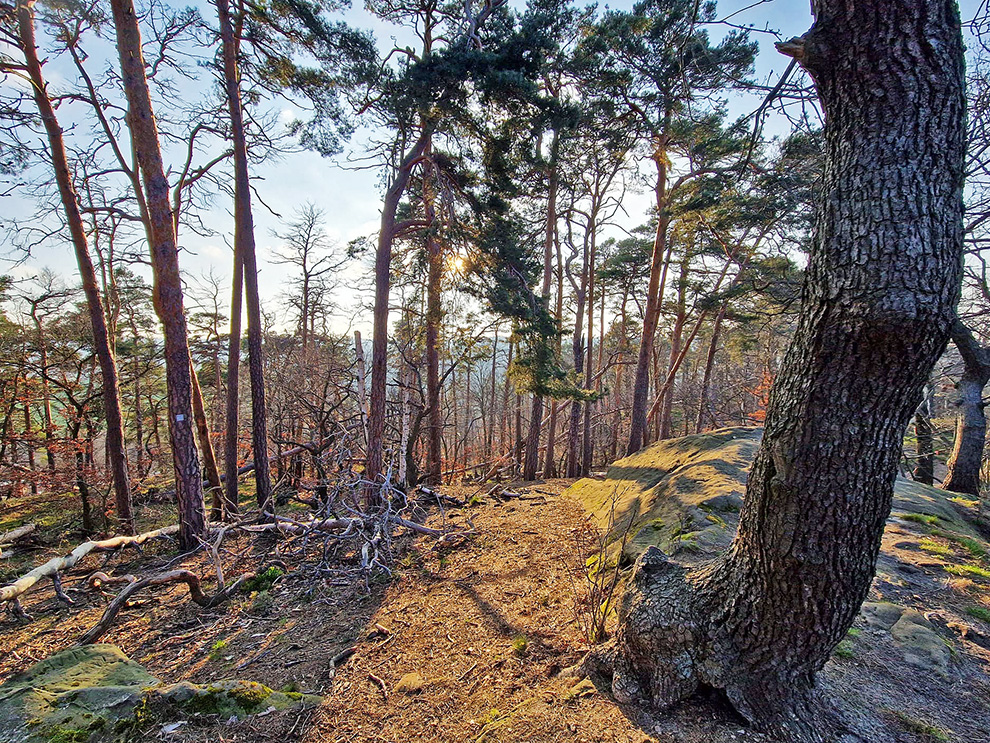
(760, 621)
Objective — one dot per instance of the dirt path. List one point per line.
(483, 630)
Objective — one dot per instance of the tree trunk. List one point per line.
(167, 281)
(924, 471)
(654, 295)
(667, 407)
(244, 240)
(379, 343)
(532, 460)
(550, 458)
(882, 280)
(574, 460)
(963, 474)
(232, 413)
(87, 272)
(704, 404)
(361, 388)
(210, 470)
(589, 367)
(434, 316)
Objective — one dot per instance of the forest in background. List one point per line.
(511, 336)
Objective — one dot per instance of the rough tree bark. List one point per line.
(167, 293)
(87, 272)
(963, 474)
(883, 277)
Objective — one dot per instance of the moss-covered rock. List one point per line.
(96, 693)
(684, 496)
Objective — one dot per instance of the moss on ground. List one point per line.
(95, 693)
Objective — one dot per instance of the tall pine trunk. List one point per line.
(434, 316)
(532, 459)
(87, 272)
(245, 246)
(167, 293)
(659, 263)
(880, 289)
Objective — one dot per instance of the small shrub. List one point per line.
(520, 645)
(979, 612)
(262, 603)
(216, 651)
(845, 650)
(264, 580)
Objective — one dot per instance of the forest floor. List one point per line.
(466, 642)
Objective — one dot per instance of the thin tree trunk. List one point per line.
(574, 456)
(211, 472)
(549, 462)
(379, 344)
(28, 435)
(532, 460)
(924, 471)
(654, 295)
(361, 388)
(167, 282)
(244, 239)
(761, 621)
(231, 506)
(676, 337)
(434, 316)
(704, 404)
(964, 462)
(87, 272)
(588, 452)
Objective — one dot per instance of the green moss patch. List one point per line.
(95, 693)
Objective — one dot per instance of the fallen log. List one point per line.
(173, 576)
(14, 535)
(57, 565)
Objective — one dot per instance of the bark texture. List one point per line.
(87, 272)
(883, 277)
(963, 474)
(167, 294)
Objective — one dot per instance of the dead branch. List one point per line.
(57, 565)
(17, 534)
(172, 576)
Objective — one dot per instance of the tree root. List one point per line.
(135, 585)
(672, 642)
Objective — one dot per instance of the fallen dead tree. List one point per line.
(54, 568)
(134, 585)
(15, 535)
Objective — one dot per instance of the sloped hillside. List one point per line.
(915, 665)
